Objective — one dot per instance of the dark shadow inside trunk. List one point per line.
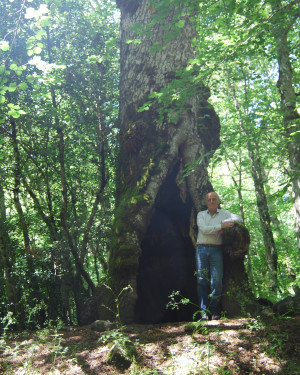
(167, 262)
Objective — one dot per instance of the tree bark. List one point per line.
(237, 182)
(5, 253)
(16, 194)
(154, 228)
(291, 117)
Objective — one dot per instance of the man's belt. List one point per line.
(209, 245)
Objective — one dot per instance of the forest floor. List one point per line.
(237, 346)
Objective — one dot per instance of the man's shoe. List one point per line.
(215, 317)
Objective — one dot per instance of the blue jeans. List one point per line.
(209, 261)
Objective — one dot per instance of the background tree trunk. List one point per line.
(288, 106)
(154, 230)
(261, 198)
(5, 256)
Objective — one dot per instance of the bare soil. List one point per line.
(239, 346)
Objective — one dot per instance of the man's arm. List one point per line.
(212, 229)
(207, 229)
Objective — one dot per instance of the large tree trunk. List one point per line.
(153, 247)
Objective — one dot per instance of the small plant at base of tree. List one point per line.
(7, 321)
(198, 325)
(117, 297)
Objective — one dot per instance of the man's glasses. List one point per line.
(211, 199)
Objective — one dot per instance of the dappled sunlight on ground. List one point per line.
(237, 346)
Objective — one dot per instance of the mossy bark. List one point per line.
(237, 299)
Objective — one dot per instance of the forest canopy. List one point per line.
(59, 100)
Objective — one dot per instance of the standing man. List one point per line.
(209, 255)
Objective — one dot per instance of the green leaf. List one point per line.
(30, 79)
(2, 99)
(41, 34)
(4, 45)
(13, 113)
(17, 69)
(37, 50)
(12, 87)
(23, 86)
(13, 67)
(31, 42)
(180, 24)
(134, 41)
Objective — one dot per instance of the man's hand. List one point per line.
(227, 224)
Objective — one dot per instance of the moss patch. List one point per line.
(236, 240)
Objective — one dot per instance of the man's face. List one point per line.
(212, 202)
